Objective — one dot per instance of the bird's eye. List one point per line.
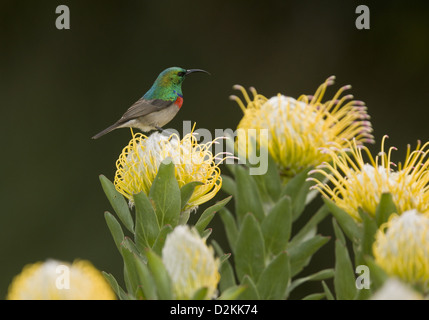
(181, 74)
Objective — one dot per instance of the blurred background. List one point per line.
(60, 87)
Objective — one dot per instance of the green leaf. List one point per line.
(274, 279)
(160, 240)
(131, 272)
(184, 216)
(133, 263)
(186, 192)
(250, 251)
(338, 233)
(200, 294)
(130, 245)
(209, 213)
(367, 238)
(206, 233)
(148, 286)
(115, 286)
(228, 185)
(160, 276)
(310, 226)
(346, 222)
(321, 275)
(250, 292)
(248, 199)
(328, 293)
(115, 229)
(128, 284)
(138, 274)
(363, 294)
(232, 168)
(147, 228)
(165, 193)
(315, 296)
(227, 278)
(232, 293)
(300, 254)
(344, 280)
(230, 226)
(273, 182)
(118, 203)
(378, 275)
(224, 257)
(270, 183)
(277, 226)
(385, 208)
(219, 251)
(297, 189)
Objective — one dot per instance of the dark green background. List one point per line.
(60, 87)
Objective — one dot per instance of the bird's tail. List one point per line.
(107, 130)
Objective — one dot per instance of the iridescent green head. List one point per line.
(168, 85)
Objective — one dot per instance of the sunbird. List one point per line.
(158, 106)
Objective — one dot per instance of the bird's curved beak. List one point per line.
(195, 70)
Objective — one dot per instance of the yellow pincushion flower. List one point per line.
(190, 263)
(401, 247)
(55, 280)
(298, 129)
(394, 289)
(357, 183)
(138, 165)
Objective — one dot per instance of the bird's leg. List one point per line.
(163, 131)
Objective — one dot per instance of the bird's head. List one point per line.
(174, 76)
(169, 83)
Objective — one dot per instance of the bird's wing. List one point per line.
(143, 107)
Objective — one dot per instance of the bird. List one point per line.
(158, 106)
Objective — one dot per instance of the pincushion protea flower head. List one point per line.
(357, 183)
(139, 161)
(401, 248)
(394, 289)
(190, 263)
(55, 280)
(298, 129)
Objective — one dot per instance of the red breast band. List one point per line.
(179, 102)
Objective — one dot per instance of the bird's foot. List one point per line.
(163, 131)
